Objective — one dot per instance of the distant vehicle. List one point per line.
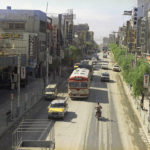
(104, 55)
(57, 109)
(104, 66)
(76, 65)
(105, 76)
(50, 91)
(94, 60)
(116, 68)
(78, 83)
(105, 48)
(87, 64)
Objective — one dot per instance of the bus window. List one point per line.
(73, 84)
(83, 84)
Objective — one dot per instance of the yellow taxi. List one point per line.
(76, 65)
(57, 109)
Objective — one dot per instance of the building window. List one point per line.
(42, 26)
(16, 26)
(11, 25)
(19, 26)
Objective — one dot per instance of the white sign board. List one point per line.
(146, 80)
(50, 60)
(23, 72)
(148, 13)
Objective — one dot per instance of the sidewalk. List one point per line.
(135, 103)
(29, 96)
(141, 114)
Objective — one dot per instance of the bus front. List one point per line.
(78, 87)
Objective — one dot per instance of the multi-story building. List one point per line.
(111, 38)
(90, 36)
(105, 41)
(24, 32)
(143, 33)
(143, 6)
(81, 30)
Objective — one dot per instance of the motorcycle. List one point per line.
(98, 114)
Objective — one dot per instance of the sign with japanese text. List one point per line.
(23, 72)
(146, 80)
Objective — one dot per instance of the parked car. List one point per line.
(116, 68)
(104, 66)
(105, 76)
(50, 91)
(57, 109)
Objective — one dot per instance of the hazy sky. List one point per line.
(103, 16)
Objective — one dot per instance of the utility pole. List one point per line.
(47, 66)
(18, 85)
(59, 40)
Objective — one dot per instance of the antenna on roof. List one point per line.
(46, 7)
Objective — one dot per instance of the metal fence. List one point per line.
(34, 134)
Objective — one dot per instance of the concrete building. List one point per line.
(81, 31)
(90, 36)
(24, 31)
(143, 6)
(122, 36)
(111, 38)
(105, 41)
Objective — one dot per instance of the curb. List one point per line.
(130, 98)
(134, 106)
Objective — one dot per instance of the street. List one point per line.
(118, 129)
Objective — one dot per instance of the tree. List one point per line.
(72, 53)
(133, 75)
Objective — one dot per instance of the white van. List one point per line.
(50, 91)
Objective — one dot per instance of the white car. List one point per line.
(104, 66)
(116, 68)
(94, 60)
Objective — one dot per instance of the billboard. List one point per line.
(127, 13)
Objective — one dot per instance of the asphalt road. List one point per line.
(118, 129)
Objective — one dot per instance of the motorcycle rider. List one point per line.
(98, 109)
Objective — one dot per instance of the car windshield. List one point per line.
(74, 84)
(105, 74)
(116, 66)
(57, 105)
(50, 90)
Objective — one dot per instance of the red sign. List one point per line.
(146, 80)
(23, 72)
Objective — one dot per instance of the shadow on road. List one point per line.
(100, 96)
(106, 119)
(104, 61)
(68, 118)
(95, 78)
(96, 83)
(70, 115)
(112, 81)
